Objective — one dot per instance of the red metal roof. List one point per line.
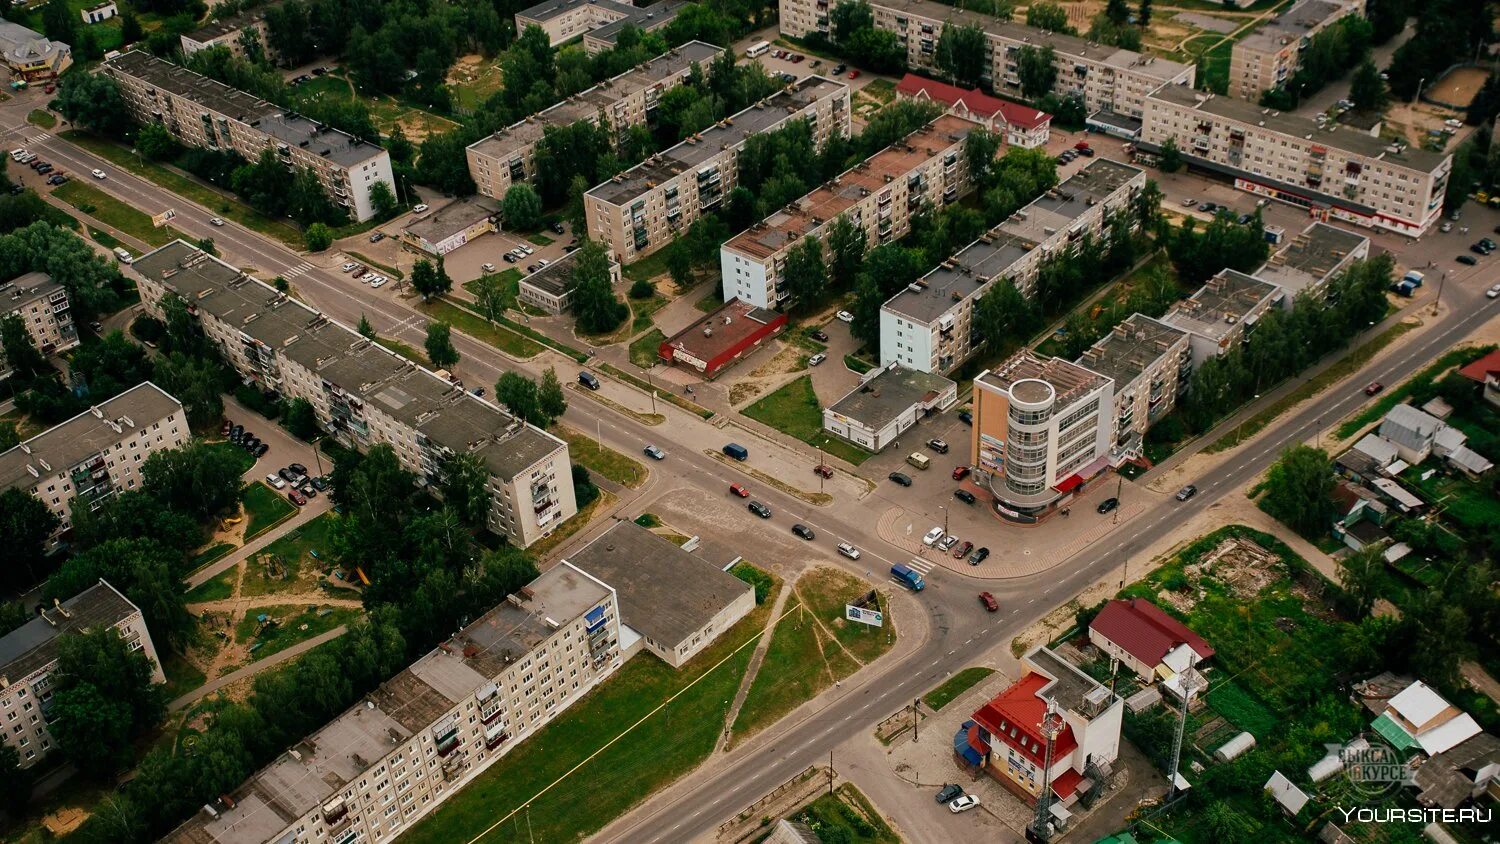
(1142, 630)
(975, 100)
(1481, 369)
(1066, 783)
(1020, 708)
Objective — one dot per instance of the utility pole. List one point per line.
(1439, 297)
(1119, 488)
(1051, 726)
(653, 388)
(1192, 681)
(830, 773)
(915, 717)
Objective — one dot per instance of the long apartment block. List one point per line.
(206, 113)
(879, 195)
(87, 459)
(364, 394)
(380, 766)
(1335, 173)
(1149, 362)
(1108, 79)
(29, 656)
(597, 22)
(1269, 56)
(509, 156)
(43, 307)
(641, 210)
(928, 326)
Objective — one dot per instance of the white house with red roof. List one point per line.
(1486, 373)
(1005, 734)
(1022, 125)
(1148, 641)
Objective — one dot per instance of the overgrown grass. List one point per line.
(243, 460)
(299, 557)
(643, 349)
(794, 409)
(294, 624)
(800, 662)
(848, 811)
(955, 686)
(643, 310)
(602, 459)
(475, 326)
(825, 591)
(182, 676)
(264, 509)
(647, 268)
(112, 212)
(857, 365)
(218, 588)
(1377, 409)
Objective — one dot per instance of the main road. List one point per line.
(959, 633)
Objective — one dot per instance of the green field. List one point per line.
(264, 508)
(475, 326)
(800, 662)
(404, 350)
(510, 287)
(955, 686)
(116, 214)
(217, 588)
(41, 117)
(296, 567)
(644, 349)
(794, 409)
(242, 458)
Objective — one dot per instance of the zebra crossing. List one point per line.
(301, 269)
(36, 139)
(922, 567)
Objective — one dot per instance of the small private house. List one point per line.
(1486, 373)
(551, 287)
(1451, 759)
(101, 12)
(888, 402)
(1146, 640)
(1418, 435)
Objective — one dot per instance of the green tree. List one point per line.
(1144, 16)
(1003, 317)
(1117, 12)
(427, 281)
(146, 571)
(130, 29)
(155, 143)
(868, 297)
(196, 382)
(584, 490)
(490, 297)
(519, 395)
(850, 17)
(1037, 69)
(197, 479)
(963, 52)
(1361, 575)
(134, 514)
(1170, 160)
(464, 484)
(805, 274)
(365, 328)
(59, 22)
(298, 417)
(440, 345)
(1298, 490)
(595, 305)
(317, 237)
(1049, 16)
(91, 729)
(383, 200)
(1367, 90)
(642, 289)
(281, 284)
(551, 400)
(27, 524)
(846, 252)
(522, 208)
(18, 352)
(102, 698)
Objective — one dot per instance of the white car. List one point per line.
(948, 542)
(845, 316)
(369, 277)
(417, 209)
(932, 536)
(963, 804)
(276, 481)
(525, 250)
(1493, 292)
(1446, 226)
(848, 550)
(543, 262)
(487, 268)
(18, 154)
(817, 359)
(379, 281)
(349, 266)
(1453, 123)
(99, 174)
(216, 222)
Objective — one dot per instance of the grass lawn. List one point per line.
(295, 567)
(525, 331)
(881, 89)
(1376, 410)
(643, 349)
(644, 310)
(648, 267)
(112, 212)
(404, 350)
(182, 676)
(104, 238)
(41, 117)
(668, 395)
(473, 83)
(418, 123)
(955, 686)
(211, 553)
(293, 624)
(510, 287)
(242, 458)
(218, 588)
(650, 749)
(475, 326)
(264, 508)
(579, 521)
(847, 809)
(540, 239)
(826, 591)
(800, 662)
(856, 365)
(227, 207)
(794, 410)
(602, 460)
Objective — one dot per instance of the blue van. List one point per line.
(737, 451)
(909, 576)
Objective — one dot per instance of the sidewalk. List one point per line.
(255, 668)
(314, 508)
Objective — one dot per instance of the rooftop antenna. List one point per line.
(1051, 726)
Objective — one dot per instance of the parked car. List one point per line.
(963, 804)
(525, 250)
(760, 509)
(840, 69)
(949, 792)
(308, 490)
(508, 258)
(803, 531)
(320, 483)
(853, 74)
(1086, 152)
(845, 316)
(1479, 249)
(478, 391)
(1108, 504)
(1493, 292)
(1186, 492)
(960, 472)
(377, 237)
(817, 359)
(938, 445)
(297, 498)
(739, 489)
(486, 267)
(848, 550)
(419, 208)
(56, 179)
(965, 496)
(1466, 260)
(966, 417)
(989, 602)
(980, 555)
(900, 478)
(260, 450)
(1373, 387)
(557, 228)
(820, 336)
(298, 468)
(1189, 202)
(655, 453)
(286, 474)
(947, 543)
(276, 482)
(379, 281)
(823, 470)
(963, 550)
(349, 266)
(932, 536)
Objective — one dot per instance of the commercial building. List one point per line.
(388, 760)
(439, 232)
(1269, 56)
(1107, 79)
(1041, 432)
(1223, 311)
(551, 287)
(1333, 172)
(672, 601)
(640, 211)
(99, 12)
(202, 112)
(879, 195)
(42, 304)
(509, 156)
(732, 331)
(1146, 640)
(888, 402)
(364, 394)
(1020, 125)
(230, 33)
(87, 459)
(1007, 732)
(598, 21)
(928, 326)
(32, 56)
(1150, 363)
(1314, 256)
(28, 656)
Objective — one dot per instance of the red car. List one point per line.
(739, 490)
(824, 470)
(961, 551)
(1375, 387)
(853, 74)
(297, 498)
(960, 472)
(989, 602)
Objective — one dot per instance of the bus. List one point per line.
(759, 48)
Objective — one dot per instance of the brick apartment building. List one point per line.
(202, 112)
(42, 304)
(364, 394)
(509, 156)
(641, 210)
(1271, 55)
(879, 196)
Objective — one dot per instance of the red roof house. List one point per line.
(1486, 371)
(1150, 642)
(1022, 125)
(722, 337)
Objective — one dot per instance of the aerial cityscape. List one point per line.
(737, 421)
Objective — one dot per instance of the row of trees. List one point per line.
(1447, 32)
(855, 37)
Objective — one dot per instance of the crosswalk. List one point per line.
(300, 269)
(923, 567)
(36, 139)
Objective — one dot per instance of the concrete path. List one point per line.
(255, 668)
(756, 659)
(314, 508)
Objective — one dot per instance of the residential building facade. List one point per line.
(84, 461)
(231, 33)
(43, 307)
(1271, 55)
(597, 22)
(1020, 125)
(508, 157)
(202, 112)
(880, 195)
(929, 325)
(1150, 363)
(1334, 173)
(99, 12)
(29, 655)
(641, 210)
(364, 394)
(387, 761)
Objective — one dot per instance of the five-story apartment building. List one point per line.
(1268, 57)
(43, 307)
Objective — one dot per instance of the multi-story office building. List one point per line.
(202, 112)
(1333, 172)
(509, 155)
(641, 210)
(1108, 79)
(1224, 310)
(87, 459)
(28, 656)
(1042, 430)
(929, 327)
(879, 196)
(1269, 56)
(598, 21)
(1314, 256)
(364, 394)
(42, 304)
(230, 33)
(387, 761)
(1149, 363)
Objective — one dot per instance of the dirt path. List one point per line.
(274, 600)
(754, 667)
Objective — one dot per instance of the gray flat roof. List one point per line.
(889, 394)
(550, 9)
(446, 414)
(284, 125)
(1290, 26)
(650, 18)
(1223, 302)
(1070, 686)
(765, 116)
(666, 593)
(34, 644)
(224, 26)
(1348, 140)
(1068, 380)
(1130, 348)
(25, 289)
(66, 444)
(555, 279)
(1311, 256)
(452, 218)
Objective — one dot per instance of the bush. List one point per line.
(583, 487)
(148, 329)
(257, 401)
(642, 289)
(318, 237)
(755, 577)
